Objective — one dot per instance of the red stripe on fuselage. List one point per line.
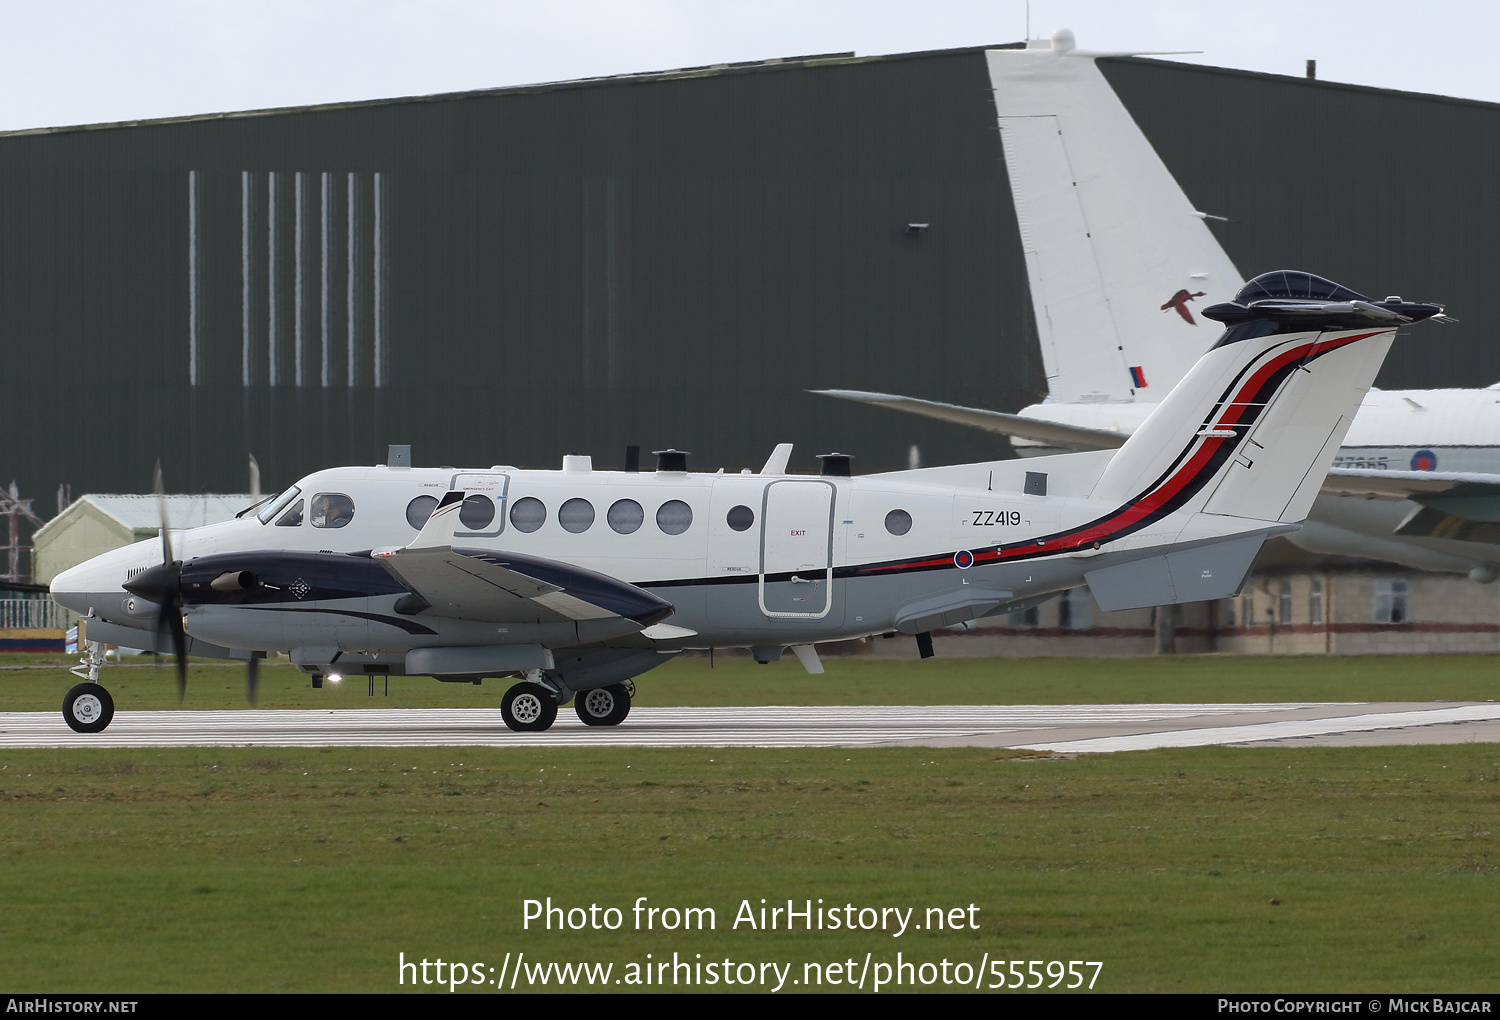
(1151, 501)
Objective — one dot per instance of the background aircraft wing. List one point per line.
(1073, 437)
(1461, 506)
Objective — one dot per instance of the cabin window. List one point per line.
(527, 515)
(626, 516)
(740, 518)
(898, 522)
(674, 517)
(292, 518)
(576, 516)
(477, 512)
(332, 510)
(419, 509)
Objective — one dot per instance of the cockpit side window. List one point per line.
(332, 510)
(292, 518)
(278, 505)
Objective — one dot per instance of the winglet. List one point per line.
(776, 463)
(437, 533)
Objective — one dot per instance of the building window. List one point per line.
(1315, 602)
(1284, 602)
(1390, 600)
(1075, 611)
(1229, 612)
(1248, 617)
(1030, 617)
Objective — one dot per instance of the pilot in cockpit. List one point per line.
(332, 510)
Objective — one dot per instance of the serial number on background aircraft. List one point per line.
(1363, 463)
(992, 518)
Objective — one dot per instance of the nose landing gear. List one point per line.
(88, 708)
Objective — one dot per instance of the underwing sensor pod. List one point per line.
(575, 581)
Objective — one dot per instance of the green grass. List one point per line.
(850, 680)
(311, 869)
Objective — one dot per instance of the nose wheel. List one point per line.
(88, 708)
(528, 708)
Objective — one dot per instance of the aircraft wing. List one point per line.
(1414, 485)
(1460, 506)
(496, 587)
(1075, 437)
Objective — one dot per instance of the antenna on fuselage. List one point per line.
(776, 463)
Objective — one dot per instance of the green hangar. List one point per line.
(657, 260)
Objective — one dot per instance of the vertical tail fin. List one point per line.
(1251, 430)
(1120, 263)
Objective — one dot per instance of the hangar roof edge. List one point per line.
(705, 71)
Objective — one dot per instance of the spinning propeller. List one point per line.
(163, 586)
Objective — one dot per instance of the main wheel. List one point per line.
(528, 707)
(88, 708)
(603, 706)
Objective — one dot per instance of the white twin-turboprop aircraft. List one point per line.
(578, 580)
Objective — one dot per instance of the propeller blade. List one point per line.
(169, 587)
(161, 506)
(179, 647)
(252, 678)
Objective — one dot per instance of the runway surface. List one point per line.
(1064, 729)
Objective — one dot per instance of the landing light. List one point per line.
(334, 678)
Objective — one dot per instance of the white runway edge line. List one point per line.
(1104, 727)
(1277, 730)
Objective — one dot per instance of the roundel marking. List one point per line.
(963, 559)
(1424, 460)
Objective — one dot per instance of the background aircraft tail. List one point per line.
(1252, 429)
(1120, 264)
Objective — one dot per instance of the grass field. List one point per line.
(1209, 869)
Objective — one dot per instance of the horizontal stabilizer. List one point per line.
(1212, 571)
(1073, 437)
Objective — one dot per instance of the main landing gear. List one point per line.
(530, 706)
(603, 706)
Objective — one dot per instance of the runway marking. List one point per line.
(1065, 728)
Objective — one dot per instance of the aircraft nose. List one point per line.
(70, 589)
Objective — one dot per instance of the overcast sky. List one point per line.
(91, 61)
